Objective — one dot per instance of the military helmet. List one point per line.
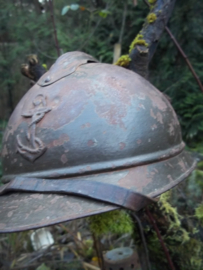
(81, 136)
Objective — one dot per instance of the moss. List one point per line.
(190, 254)
(169, 211)
(118, 222)
(123, 61)
(151, 17)
(138, 41)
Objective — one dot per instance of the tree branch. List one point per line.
(144, 45)
(54, 26)
(186, 58)
(123, 23)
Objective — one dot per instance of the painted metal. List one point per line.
(88, 120)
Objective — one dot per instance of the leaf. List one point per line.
(74, 7)
(103, 13)
(65, 10)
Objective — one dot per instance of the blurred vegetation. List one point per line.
(94, 27)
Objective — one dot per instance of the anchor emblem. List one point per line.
(37, 147)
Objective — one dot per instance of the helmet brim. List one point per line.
(25, 211)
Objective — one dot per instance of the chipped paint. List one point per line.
(86, 125)
(122, 145)
(92, 143)
(60, 141)
(64, 159)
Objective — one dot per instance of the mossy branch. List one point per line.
(144, 45)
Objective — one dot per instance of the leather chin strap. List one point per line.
(100, 191)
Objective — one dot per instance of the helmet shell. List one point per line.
(94, 121)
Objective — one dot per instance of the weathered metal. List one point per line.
(124, 258)
(100, 191)
(85, 120)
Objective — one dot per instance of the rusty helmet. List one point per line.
(87, 129)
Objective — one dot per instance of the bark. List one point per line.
(145, 46)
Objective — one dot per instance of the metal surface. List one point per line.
(124, 258)
(98, 122)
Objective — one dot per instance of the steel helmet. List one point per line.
(91, 131)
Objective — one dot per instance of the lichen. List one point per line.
(151, 17)
(118, 222)
(123, 61)
(138, 41)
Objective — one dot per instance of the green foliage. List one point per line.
(43, 267)
(116, 222)
(152, 1)
(170, 73)
(199, 212)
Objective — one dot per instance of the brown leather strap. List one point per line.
(91, 189)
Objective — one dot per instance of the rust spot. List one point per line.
(139, 141)
(122, 145)
(92, 143)
(87, 125)
(136, 179)
(64, 159)
(60, 141)
(88, 168)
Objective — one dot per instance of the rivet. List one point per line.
(47, 79)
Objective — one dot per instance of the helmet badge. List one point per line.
(37, 147)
